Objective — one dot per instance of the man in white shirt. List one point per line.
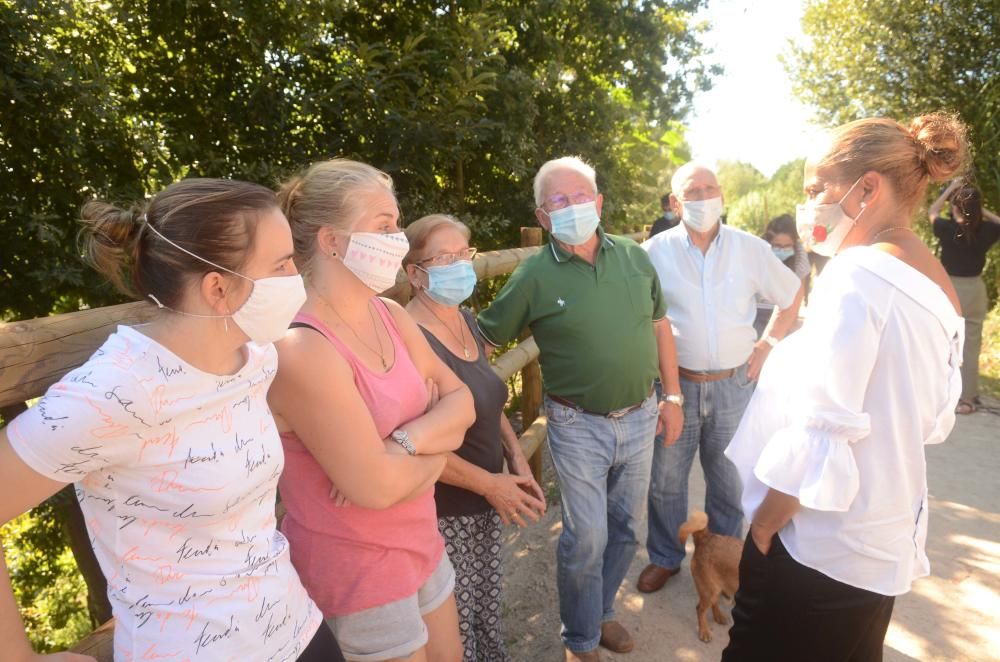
(711, 276)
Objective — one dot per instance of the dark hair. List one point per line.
(933, 147)
(664, 199)
(783, 224)
(213, 218)
(969, 202)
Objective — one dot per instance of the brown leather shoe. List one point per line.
(615, 637)
(589, 656)
(653, 577)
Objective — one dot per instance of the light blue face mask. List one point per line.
(782, 253)
(575, 224)
(452, 284)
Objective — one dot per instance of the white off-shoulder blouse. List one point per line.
(842, 412)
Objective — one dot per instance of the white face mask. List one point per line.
(267, 312)
(375, 258)
(702, 215)
(824, 227)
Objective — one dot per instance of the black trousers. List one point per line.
(787, 612)
(322, 648)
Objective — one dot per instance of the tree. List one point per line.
(901, 58)
(737, 178)
(753, 210)
(459, 102)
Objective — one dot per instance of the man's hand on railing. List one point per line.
(506, 493)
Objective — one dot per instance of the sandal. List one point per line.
(965, 407)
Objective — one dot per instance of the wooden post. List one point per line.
(531, 375)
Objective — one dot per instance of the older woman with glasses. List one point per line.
(473, 494)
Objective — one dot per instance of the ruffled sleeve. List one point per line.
(811, 458)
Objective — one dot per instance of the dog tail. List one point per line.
(696, 523)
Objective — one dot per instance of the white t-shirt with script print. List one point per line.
(176, 472)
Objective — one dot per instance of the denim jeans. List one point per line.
(712, 412)
(603, 467)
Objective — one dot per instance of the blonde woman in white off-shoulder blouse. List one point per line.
(830, 450)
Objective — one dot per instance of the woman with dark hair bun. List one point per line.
(167, 435)
(965, 238)
(831, 447)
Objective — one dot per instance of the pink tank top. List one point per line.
(352, 558)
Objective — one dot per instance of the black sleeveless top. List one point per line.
(482, 446)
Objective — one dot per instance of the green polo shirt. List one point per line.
(593, 324)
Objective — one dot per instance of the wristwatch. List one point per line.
(771, 340)
(677, 399)
(401, 437)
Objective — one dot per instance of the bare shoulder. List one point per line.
(913, 252)
(304, 352)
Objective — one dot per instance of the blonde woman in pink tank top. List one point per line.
(367, 413)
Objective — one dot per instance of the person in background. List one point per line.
(474, 496)
(831, 449)
(711, 276)
(668, 219)
(593, 303)
(167, 435)
(965, 239)
(784, 240)
(358, 380)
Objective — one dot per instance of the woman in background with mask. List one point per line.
(784, 240)
(167, 434)
(965, 238)
(831, 448)
(474, 497)
(367, 412)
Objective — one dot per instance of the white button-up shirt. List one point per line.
(712, 297)
(841, 414)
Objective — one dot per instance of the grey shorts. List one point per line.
(396, 629)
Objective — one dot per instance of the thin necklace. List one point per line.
(461, 341)
(379, 352)
(890, 229)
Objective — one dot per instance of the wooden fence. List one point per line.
(35, 353)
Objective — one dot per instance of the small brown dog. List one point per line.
(715, 567)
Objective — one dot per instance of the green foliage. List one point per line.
(47, 585)
(460, 103)
(901, 58)
(765, 199)
(737, 179)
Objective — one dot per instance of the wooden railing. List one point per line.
(34, 354)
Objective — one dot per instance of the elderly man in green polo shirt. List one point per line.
(593, 303)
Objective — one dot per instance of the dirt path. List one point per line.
(952, 615)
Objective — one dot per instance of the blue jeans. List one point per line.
(712, 412)
(603, 466)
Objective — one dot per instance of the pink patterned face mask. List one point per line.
(375, 258)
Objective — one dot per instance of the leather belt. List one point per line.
(701, 376)
(618, 413)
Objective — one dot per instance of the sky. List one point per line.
(750, 114)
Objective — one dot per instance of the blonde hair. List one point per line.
(419, 232)
(326, 194)
(933, 148)
(571, 163)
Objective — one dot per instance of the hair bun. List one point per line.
(942, 141)
(109, 240)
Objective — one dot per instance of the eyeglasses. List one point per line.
(700, 193)
(561, 201)
(445, 259)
